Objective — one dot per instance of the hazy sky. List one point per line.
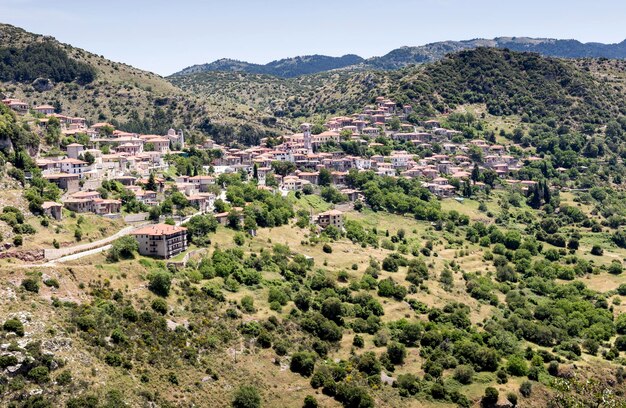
(165, 36)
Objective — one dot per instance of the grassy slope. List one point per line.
(242, 362)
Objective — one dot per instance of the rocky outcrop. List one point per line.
(42, 84)
(34, 255)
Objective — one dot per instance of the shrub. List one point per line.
(239, 239)
(368, 363)
(15, 326)
(490, 397)
(7, 361)
(302, 363)
(113, 359)
(159, 305)
(353, 396)
(359, 342)
(464, 374)
(526, 389)
(615, 268)
(327, 249)
(277, 295)
(620, 324)
(390, 264)
(51, 282)
(517, 366)
(310, 402)
(159, 283)
(247, 304)
(64, 378)
(438, 391)
(39, 374)
(620, 343)
(553, 368)
(502, 377)
(264, 339)
(512, 398)
(597, 250)
(118, 337)
(18, 240)
(31, 285)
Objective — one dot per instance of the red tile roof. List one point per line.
(158, 229)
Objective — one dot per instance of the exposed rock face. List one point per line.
(42, 84)
(57, 344)
(34, 255)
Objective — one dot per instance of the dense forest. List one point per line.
(42, 60)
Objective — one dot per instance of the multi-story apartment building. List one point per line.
(161, 240)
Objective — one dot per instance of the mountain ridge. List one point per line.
(286, 67)
(410, 55)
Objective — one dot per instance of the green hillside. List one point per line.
(87, 85)
(508, 83)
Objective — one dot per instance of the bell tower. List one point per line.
(308, 142)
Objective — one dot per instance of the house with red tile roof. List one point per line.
(161, 240)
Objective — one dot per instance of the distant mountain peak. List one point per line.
(409, 55)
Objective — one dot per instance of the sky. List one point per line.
(166, 36)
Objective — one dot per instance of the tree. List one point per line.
(394, 124)
(234, 220)
(325, 177)
(317, 128)
(467, 189)
(199, 227)
(475, 153)
(255, 171)
(151, 184)
(332, 309)
(160, 283)
(475, 173)
(123, 248)
(396, 353)
(368, 363)
(517, 366)
(89, 158)
(597, 250)
(179, 200)
(302, 363)
(283, 168)
(247, 396)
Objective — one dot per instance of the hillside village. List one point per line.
(141, 163)
(449, 234)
